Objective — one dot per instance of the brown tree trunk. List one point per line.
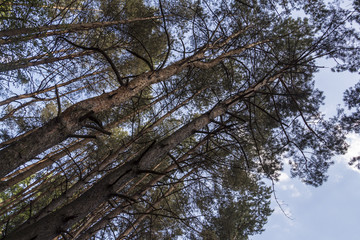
(46, 161)
(71, 120)
(151, 208)
(103, 164)
(25, 64)
(60, 29)
(51, 158)
(59, 221)
(115, 212)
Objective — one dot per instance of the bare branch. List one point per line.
(119, 78)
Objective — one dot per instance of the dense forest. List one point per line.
(161, 119)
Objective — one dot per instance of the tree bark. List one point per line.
(153, 205)
(62, 29)
(102, 165)
(59, 221)
(51, 158)
(71, 120)
(59, 129)
(25, 64)
(46, 161)
(115, 212)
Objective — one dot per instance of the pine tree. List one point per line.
(152, 120)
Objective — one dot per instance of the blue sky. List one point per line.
(329, 212)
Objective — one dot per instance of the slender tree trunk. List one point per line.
(34, 195)
(153, 205)
(61, 29)
(25, 64)
(115, 212)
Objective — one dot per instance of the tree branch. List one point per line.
(119, 78)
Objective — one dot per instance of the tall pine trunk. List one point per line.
(58, 221)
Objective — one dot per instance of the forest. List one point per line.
(162, 119)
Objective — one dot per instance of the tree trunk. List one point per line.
(38, 32)
(115, 212)
(151, 208)
(102, 165)
(53, 157)
(58, 222)
(72, 119)
(25, 64)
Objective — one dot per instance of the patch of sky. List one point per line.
(326, 212)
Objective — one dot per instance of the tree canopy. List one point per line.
(131, 119)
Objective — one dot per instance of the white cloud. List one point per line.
(354, 141)
(284, 178)
(286, 184)
(353, 151)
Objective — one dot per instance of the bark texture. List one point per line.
(57, 222)
(61, 29)
(71, 120)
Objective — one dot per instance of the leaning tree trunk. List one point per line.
(59, 221)
(49, 159)
(26, 63)
(74, 118)
(88, 233)
(14, 35)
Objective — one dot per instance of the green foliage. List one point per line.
(5, 9)
(254, 58)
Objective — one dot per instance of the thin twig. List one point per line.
(167, 38)
(119, 78)
(58, 100)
